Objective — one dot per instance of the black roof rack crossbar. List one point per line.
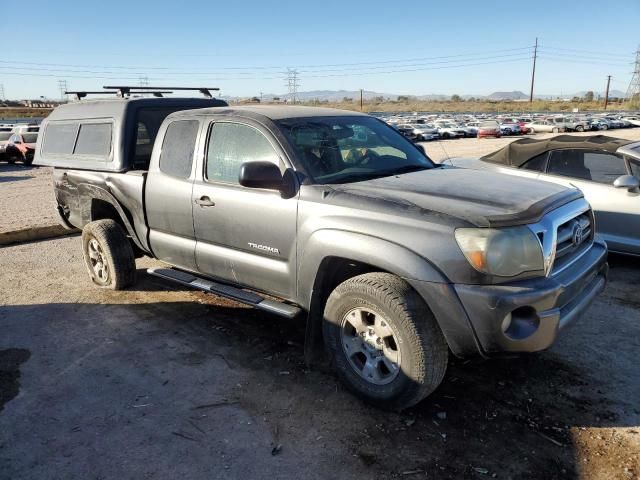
(126, 89)
(83, 93)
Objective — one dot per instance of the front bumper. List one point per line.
(542, 307)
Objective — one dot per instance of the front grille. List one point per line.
(574, 237)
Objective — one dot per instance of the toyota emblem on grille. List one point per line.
(578, 235)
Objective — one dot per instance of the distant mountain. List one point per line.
(354, 95)
(515, 95)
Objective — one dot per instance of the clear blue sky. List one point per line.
(245, 46)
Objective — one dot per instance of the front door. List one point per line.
(245, 236)
(617, 210)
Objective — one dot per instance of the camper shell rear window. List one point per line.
(87, 138)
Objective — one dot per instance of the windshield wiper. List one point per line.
(406, 169)
(360, 177)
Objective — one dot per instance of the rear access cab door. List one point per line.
(168, 194)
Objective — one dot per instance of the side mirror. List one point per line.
(261, 175)
(629, 182)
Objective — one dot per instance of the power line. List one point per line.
(603, 54)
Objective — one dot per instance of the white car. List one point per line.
(606, 169)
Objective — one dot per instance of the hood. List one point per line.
(484, 199)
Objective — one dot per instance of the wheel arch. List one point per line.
(333, 256)
(99, 204)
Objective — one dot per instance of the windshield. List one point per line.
(351, 149)
(30, 137)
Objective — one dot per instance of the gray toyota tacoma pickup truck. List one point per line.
(332, 217)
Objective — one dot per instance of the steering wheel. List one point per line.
(361, 156)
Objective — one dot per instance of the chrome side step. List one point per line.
(227, 291)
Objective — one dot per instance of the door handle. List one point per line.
(205, 201)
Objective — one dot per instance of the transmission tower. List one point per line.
(143, 81)
(2, 92)
(292, 84)
(633, 92)
(63, 86)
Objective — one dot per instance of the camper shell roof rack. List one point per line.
(127, 90)
(80, 94)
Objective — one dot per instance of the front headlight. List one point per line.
(503, 252)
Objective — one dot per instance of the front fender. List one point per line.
(381, 253)
(427, 279)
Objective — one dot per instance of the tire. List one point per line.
(579, 128)
(555, 130)
(108, 255)
(27, 160)
(445, 135)
(532, 131)
(402, 357)
(604, 127)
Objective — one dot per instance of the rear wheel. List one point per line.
(579, 128)
(384, 341)
(108, 255)
(555, 130)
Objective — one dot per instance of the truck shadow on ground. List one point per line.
(513, 418)
(4, 179)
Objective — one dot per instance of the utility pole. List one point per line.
(360, 99)
(292, 84)
(533, 73)
(63, 86)
(633, 92)
(606, 92)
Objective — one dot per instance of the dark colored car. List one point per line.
(21, 147)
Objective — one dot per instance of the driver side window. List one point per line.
(635, 169)
(231, 145)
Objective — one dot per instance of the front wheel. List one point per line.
(384, 341)
(108, 255)
(579, 128)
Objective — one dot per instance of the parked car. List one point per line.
(25, 128)
(470, 131)
(425, 132)
(634, 120)
(327, 212)
(544, 126)
(605, 169)
(489, 128)
(601, 124)
(449, 130)
(4, 140)
(510, 128)
(21, 147)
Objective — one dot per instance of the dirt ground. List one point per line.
(160, 383)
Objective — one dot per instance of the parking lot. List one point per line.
(155, 382)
